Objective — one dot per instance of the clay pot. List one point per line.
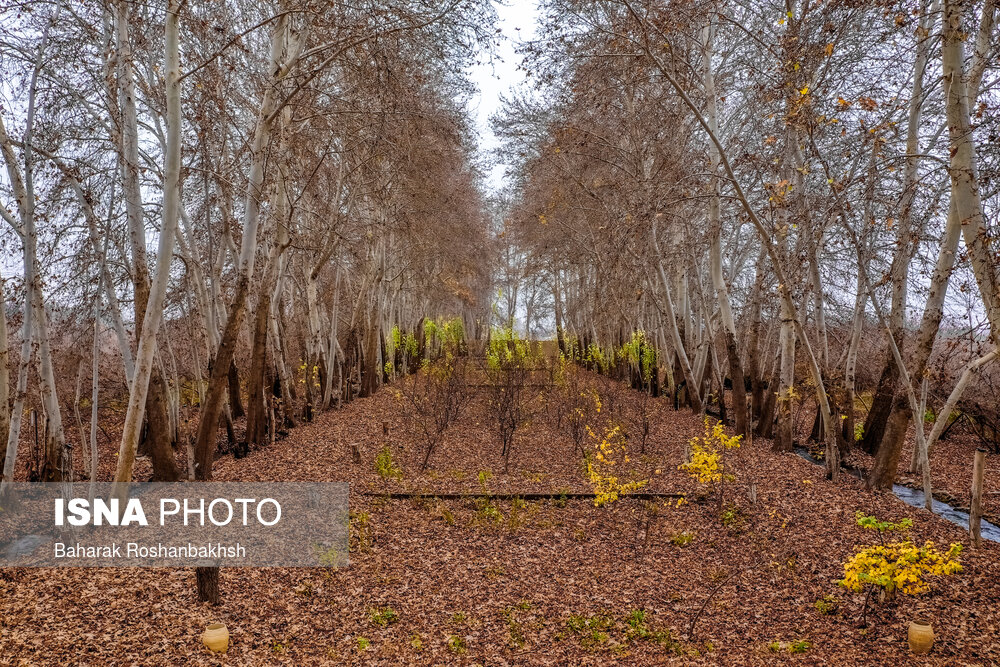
(216, 637)
(921, 637)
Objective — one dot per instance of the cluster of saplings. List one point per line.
(520, 379)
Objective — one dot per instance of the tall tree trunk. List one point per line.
(715, 251)
(557, 306)
(851, 364)
(4, 379)
(965, 218)
(20, 392)
(675, 333)
(256, 406)
(56, 464)
(234, 391)
(753, 342)
(218, 382)
(215, 395)
(883, 473)
(152, 309)
(160, 431)
(784, 438)
(963, 168)
(371, 374)
(875, 422)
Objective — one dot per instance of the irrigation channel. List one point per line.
(915, 498)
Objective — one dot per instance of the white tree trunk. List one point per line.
(168, 230)
(963, 170)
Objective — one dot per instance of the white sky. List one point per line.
(517, 22)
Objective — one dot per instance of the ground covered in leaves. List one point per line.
(496, 580)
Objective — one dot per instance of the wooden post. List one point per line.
(355, 453)
(385, 428)
(976, 507)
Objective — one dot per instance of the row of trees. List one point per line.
(787, 197)
(298, 166)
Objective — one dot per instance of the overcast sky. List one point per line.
(496, 79)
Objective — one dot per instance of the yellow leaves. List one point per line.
(542, 219)
(706, 453)
(788, 396)
(901, 566)
(807, 481)
(828, 51)
(704, 465)
(804, 91)
(779, 191)
(607, 487)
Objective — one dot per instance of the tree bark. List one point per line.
(675, 333)
(883, 473)
(256, 405)
(715, 251)
(965, 218)
(235, 393)
(208, 584)
(153, 310)
(875, 421)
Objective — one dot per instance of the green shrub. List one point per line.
(457, 645)
(382, 617)
(385, 466)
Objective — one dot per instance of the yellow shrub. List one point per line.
(705, 464)
(607, 487)
(899, 566)
(706, 453)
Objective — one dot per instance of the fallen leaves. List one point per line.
(520, 580)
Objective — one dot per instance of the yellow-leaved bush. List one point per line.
(897, 566)
(609, 452)
(706, 453)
